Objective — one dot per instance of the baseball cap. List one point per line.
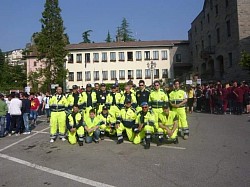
(103, 85)
(144, 103)
(166, 106)
(104, 108)
(113, 86)
(88, 86)
(127, 101)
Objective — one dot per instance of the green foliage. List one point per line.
(11, 77)
(51, 43)
(123, 32)
(245, 60)
(86, 35)
(108, 39)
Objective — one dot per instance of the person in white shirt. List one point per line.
(8, 116)
(46, 105)
(16, 114)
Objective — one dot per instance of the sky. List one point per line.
(148, 19)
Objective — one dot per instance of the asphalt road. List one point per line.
(216, 154)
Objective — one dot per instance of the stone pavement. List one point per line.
(217, 154)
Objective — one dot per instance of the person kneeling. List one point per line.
(75, 126)
(91, 126)
(167, 125)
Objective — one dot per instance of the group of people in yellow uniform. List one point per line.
(140, 115)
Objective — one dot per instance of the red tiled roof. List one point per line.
(159, 43)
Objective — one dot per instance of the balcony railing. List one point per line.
(207, 52)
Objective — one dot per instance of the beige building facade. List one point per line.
(121, 62)
(217, 37)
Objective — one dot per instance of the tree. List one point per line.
(108, 39)
(51, 43)
(85, 36)
(123, 32)
(245, 60)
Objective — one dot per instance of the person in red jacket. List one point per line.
(34, 102)
(239, 93)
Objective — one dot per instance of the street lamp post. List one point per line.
(151, 65)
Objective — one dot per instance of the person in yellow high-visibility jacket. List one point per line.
(157, 99)
(145, 125)
(178, 99)
(89, 100)
(58, 105)
(168, 125)
(92, 127)
(107, 122)
(75, 126)
(126, 121)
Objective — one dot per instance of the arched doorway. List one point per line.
(220, 65)
(211, 68)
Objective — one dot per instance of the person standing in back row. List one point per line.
(58, 105)
(46, 106)
(3, 112)
(178, 99)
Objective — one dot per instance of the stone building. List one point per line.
(217, 37)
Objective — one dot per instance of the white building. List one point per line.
(15, 57)
(120, 61)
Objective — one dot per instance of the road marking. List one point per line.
(153, 145)
(23, 139)
(56, 172)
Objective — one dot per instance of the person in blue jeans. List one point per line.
(26, 112)
(3, 112)
(91, 126)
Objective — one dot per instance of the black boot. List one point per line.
(120, 140)
(102, 133)
(176, 141)
(160, 141)
(80, 143)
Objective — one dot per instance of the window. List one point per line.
(113, 74)
(121, 56)
(70, 58)
(228, 28)
(227, 3)
(96, 76)
(87, 57)
(35, 63)
(79, 76)
(130, 74)
(230, 59)
(122, 74)
(209, 41)
(202, 44)
(216, 10)
(201, 25)
(196, 50)
(165, 73)
(218, 35)
(71, 76)
(96, 57)
(211, 4)
(164, 55)
(104, 57)
(156, 73)
(78, 58)
(130, 56)
(147, 74)
(138, 55)
(208, 18)
(147, 55)
(155, 55)
(178, 57)
(112, 56)
(138, 74)
(87, 76)
(104, 75)
(195, 29)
